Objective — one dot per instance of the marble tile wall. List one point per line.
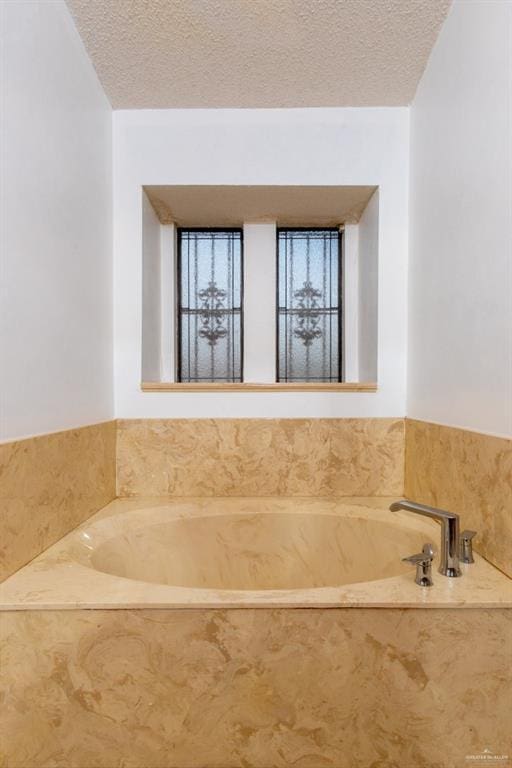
(50, 484)
(256, 688)
(260, 457)
(469, 473)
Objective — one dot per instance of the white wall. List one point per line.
(159, 296)
(368, 290)
(55, 301)
(151, 293)
(313, 146)
(168, 301)
(460, 307)
(350, 303)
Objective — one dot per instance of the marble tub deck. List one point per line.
(64, 576)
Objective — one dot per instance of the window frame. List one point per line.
(341, 325)
(178, 310)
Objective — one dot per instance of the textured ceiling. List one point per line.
(231, 206)
(258, 53)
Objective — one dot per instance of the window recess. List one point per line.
(309, 329)
(210, 301)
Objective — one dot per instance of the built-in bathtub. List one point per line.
(246, 552)
(217, 633)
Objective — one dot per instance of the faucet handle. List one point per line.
(423, 563)
(466, 546)
(426, 554)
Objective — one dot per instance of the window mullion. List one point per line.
(260, 302)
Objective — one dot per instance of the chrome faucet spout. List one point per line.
(450, 544)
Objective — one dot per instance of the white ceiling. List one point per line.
(258, 53)
(231, 206)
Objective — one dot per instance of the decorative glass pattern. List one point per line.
(308, 312)
(210, 305)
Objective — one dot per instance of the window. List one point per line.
(308, 305)
(241, 297)
(210, 334)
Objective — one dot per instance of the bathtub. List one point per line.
(246, 552)
(252, 633)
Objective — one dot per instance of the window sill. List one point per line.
(160, 386)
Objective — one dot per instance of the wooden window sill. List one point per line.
(160, 386)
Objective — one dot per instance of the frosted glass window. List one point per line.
(210, 305)
(309, 311)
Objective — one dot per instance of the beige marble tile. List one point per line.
(49, 485)
(254, 688)
(243, 552)
(260, 457)
(468, 473)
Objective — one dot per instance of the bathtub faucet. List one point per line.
(450, 543)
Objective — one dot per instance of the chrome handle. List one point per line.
(466, 546)
(423, 563)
